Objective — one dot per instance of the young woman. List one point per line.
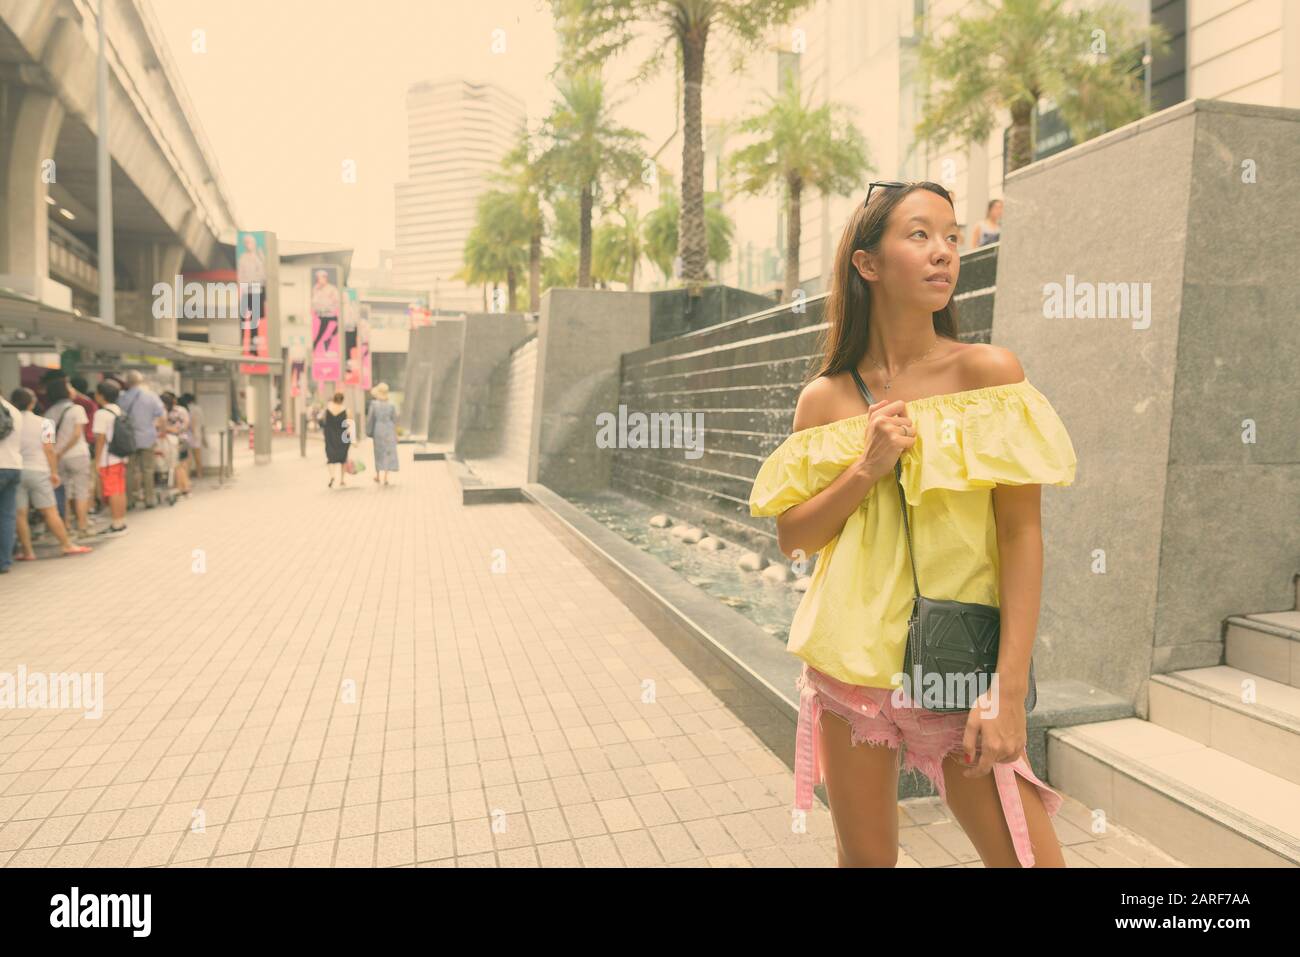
(195, 436)
(990, 230)
(975, 440)
(174, 439)
(337, 438)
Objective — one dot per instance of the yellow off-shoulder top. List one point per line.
(852, 620)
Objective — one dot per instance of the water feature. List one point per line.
(769, 605)
(504, 459)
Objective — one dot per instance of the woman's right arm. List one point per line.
(807, 527)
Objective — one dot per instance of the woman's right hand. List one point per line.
(885, 439)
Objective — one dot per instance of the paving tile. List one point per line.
(498, 722)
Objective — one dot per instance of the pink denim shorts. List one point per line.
(927, 737)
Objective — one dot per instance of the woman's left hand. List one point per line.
(995, 730)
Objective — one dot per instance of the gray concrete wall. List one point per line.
(488, 339)
(1191, 523)
(448, 338)
(582, 335)
(429, 400)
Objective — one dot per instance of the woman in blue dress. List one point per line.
(381, 426)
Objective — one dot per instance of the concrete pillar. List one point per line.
(10, 377)
(146, 263)
(581, 339)
(29, 127)
(260, 385)
(1173, 371)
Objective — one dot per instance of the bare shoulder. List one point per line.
(816, 404)
(986, 365)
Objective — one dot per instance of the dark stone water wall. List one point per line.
(673, 312)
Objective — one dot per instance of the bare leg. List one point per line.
(975, 804)
(862, 787)
(25, 534)
(82, 507)
(117, 508)
(55, 525)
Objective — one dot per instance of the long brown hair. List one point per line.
(848, 307)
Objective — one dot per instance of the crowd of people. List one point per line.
(73, 454)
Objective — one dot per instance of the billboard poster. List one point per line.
(296, 369)
(326, 334)
(251, 273)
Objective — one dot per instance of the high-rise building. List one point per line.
(458, 131)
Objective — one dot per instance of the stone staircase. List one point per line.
(1213, 776)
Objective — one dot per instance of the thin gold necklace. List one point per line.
(889, 382)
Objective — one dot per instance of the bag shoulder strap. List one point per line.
(898, 478)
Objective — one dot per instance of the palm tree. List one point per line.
(497, 245)
(799, 148)
(560, 267)
(524, 177)
(660, 230)
(619, 247)
(592, 31)
(477, 268)
(1013, 54)
(589, 153)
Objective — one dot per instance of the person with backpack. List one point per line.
(40, 477)
(114, 443)
(72, 453)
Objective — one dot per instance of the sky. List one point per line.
(287, 90)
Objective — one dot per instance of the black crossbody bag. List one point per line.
(952, 646)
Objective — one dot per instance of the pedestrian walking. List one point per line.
(381, 426)
(337, 438)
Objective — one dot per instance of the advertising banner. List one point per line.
(326, 334)
(257, 273)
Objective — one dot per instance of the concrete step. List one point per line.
(1266, 644)
(1233, 711)
(1204, 807)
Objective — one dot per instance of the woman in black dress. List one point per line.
(337, 437)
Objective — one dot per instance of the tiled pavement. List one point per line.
(497, 716)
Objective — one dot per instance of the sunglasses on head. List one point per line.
(883, 185)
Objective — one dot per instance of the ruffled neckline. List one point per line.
(985, 392)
